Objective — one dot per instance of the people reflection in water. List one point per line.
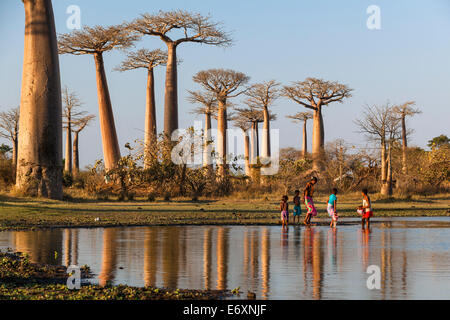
(313, 261)
(365, 246)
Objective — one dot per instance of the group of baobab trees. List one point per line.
(40, 138)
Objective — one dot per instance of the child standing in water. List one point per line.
(365, 209)
(332, 209)
(284, 208)
(297, 208)
(308, 198)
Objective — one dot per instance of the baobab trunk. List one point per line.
(150, 118)
(384, 171)
(111, 151)
(222, 138)
(207, 146)
(254, 143)
(171, 95)
(318, 141)
(404, 147)
(265, 152)
(39, 170)
(14, 152)
(247, 153)
(68, 156)
(305, 141)
(76, 156)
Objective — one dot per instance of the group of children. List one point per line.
(365, 211)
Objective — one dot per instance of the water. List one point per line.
(302, 263)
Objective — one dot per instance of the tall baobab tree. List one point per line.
(262, 96)
(224, 84)
(208, 107)
(244, 125)
(9, 129)
(70, 116)
(147, 59)
(193, 27)
(39, 155)
(77, 127)
(303, 117)
(97, 40)
(381, 125)
(403, 111)
(314, 94)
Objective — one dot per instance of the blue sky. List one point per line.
(408, 59)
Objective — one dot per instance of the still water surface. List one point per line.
(413, 255)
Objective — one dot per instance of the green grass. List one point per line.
(29, 213)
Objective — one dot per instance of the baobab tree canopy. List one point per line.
(143, 58)
(224, 83)
(206, 100)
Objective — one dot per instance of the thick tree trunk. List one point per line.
(207, 145)
(318, 141)
(111, 151)
(150, 118)
(171, 95)
(14, 152)
(404, 147)
(254, 143)
(247, 153)
(265, 150)
(389, 171)
(76, 155)
(384, 185)
(222, 138)
(304, 141)
(68, 156)
(39, 170)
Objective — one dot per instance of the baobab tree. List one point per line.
(77, 127)
(262, 96)
(314, 94)
(147, 59)
(9, 129)
(97, 40)
(71, 102)
(244, 125)
(208, 107)
(381, 125)
(39, 154)
(224, 84)
(192, 27)
(303, 117)
(403, 111)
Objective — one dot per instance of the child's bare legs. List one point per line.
(307, 218)
(368, 223)
(363, 222)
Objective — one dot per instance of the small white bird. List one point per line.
(97, 219)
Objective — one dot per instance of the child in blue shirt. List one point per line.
(332, 210)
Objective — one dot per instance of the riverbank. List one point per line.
(31, 213)
(21, 279)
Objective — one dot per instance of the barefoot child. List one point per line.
(366, 209)
(297, 208)
(284, 208)
(332, 209)
(308, 198)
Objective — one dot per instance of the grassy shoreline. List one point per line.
(32, 213)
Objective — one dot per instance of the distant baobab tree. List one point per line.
(192, 27)
(303, 117)
(39, 154)
(9, 129)
(208, 107)
(147, 59)
(244, 125)
(314, 94)
(381, 125)
(77, 127)
(71, 115)
(403, 111)
(224, 84)
(262, 96)
(97, 40)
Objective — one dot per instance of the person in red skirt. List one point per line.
(366, 209)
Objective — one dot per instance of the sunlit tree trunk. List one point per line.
(14, 151)
(111, 151)
(384, 170)
(305, 141)
(171, 95)
(76, 155)
(265, 150)
(222, 138)
(318, 140)
(404, 147)
(39, 155)
(247, 153)
(254, 143)
(207, 146)
(150, 117)
(68, 156)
